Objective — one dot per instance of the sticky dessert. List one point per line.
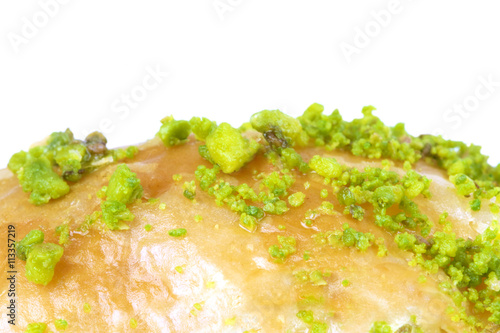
(308, 224)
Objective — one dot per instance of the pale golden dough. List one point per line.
(130, 274)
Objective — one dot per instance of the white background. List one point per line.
(227, 59)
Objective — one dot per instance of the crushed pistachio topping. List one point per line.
(383, 327)
(24, 245)
(230, 321)
(296, 199)
(61, 324)
(229, 149)
(286, 247)
(349, 237)
(45, 170)
(472, 265)
(326, 167)
(63, 232)
(180, 232)
(316, 277)
(173, 132)
(189, 190)
(279, 129)
(380, 327)
(41, 262)
(41, 258)
(307, 317)
(224, 145)
(382, 193)
(124, 188)
(36, 328)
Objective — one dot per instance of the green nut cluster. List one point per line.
(41, 258)
(380, 327)
(61, 324)
(279, 129)
(36, 328)
(243, 199)
(63, 232)
(44, 170)
(286, 247)
(180, 232)
(173, 132)
(229, 149)
(38, 178)
(224, 145)
(24, 245)
(124, 188)
(326, 167)
(307, 317)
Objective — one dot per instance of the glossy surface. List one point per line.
(219, 277)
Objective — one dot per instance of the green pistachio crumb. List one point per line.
(23, 247)
(124, 186)
(464, 184)
(61, 324)
(63, 232)
(44, 184)
(229, 149)
(41, 262)
(231, 321)
(306, 316)
(189, 190)
(36, 328)
(326, 167)
(202, 127)
(248, 222)
(286, 248)
(115, 214)
(180, 232)
(475, 205)
(297, 199)
(277, 122)
(174, 132)
(380, 327)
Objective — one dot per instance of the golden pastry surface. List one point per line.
(132, 274)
